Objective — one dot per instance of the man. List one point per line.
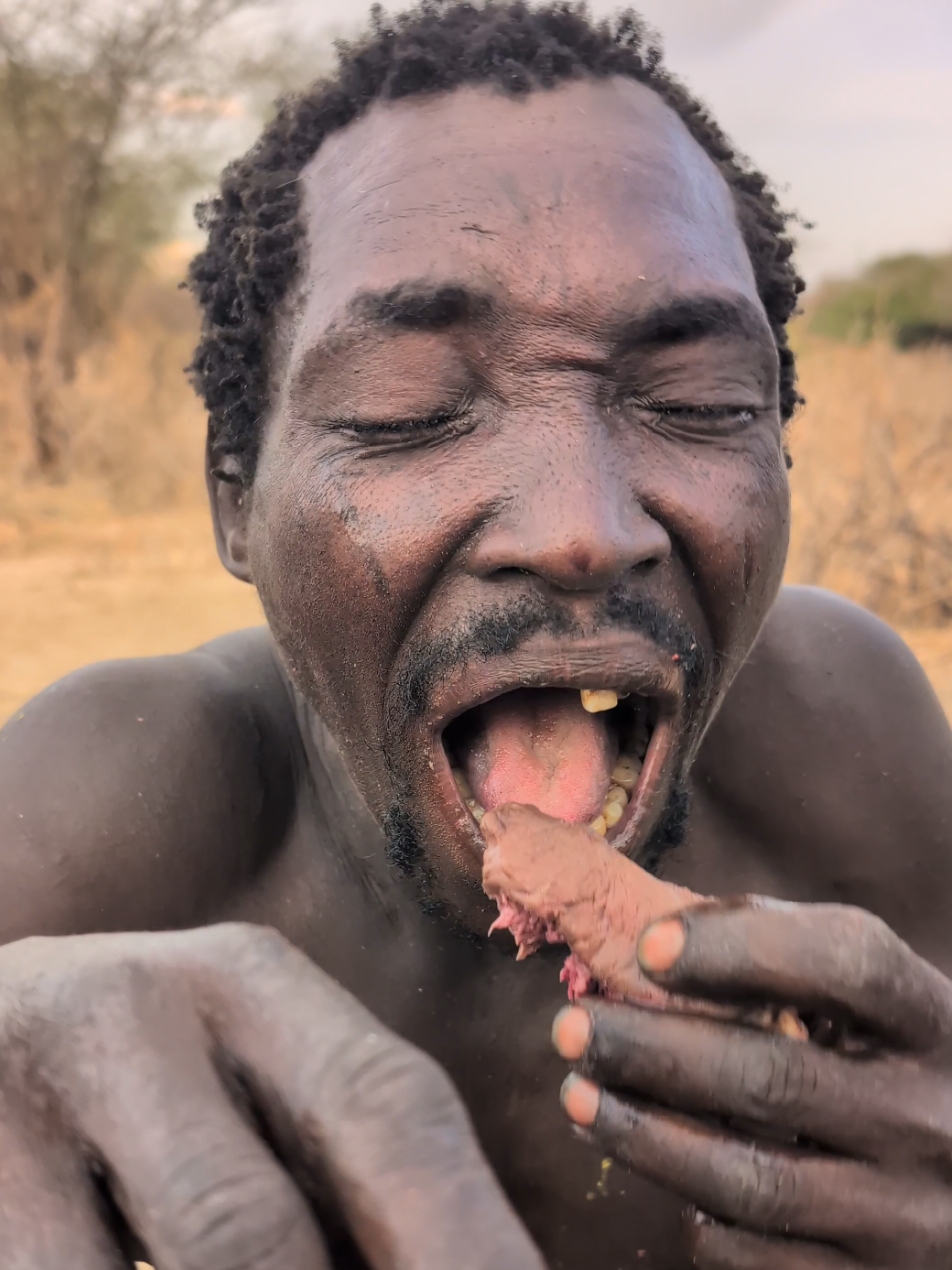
(496, 371)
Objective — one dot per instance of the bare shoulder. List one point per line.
(833, 755)
(132, 792)
(841, 673)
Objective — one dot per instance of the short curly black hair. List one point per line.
(254, 228)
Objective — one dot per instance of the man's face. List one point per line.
(526, 442)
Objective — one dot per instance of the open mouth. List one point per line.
(581, 755)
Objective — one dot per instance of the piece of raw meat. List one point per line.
(561, 883)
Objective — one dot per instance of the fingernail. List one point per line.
(580, 1099)
(571, 1032)
(661, 945)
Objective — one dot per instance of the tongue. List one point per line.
(539, 747)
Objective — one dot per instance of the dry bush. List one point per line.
(135, 428)
(872, 516)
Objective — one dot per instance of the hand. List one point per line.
(796, 1156)
(210, 1100)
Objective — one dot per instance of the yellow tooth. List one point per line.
(476, 811)
(612, 813)
(617, 794)
(626, 772)
(789, 1023)
(600, 825)
(462, 784)
(595, 700)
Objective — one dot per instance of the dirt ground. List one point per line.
(84, 591)
(80, 585)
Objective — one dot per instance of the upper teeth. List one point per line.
(595, 700)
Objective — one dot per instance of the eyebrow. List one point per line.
(419, 306)
(688, 319)
(429, 307)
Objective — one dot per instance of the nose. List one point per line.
(578, 531)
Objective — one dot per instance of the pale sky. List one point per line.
(846, 104)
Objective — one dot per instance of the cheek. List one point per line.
(730, 512)
(325, 594)
(343, 556)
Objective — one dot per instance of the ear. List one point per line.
(230, 499)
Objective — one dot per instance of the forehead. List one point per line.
(577, 200)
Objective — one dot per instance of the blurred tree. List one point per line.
(101, 105)
(907, 299)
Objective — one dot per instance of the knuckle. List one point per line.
(394, 1070)
(866, 939)
(383, 1073)
(241, 939)
(243, 953)
(766, 1191)
(231, 1214)
(771, 1076)
(84, 986)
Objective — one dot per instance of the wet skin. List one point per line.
(527, 373)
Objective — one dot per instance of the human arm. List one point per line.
(205, 1097)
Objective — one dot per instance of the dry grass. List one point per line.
(872, 476)
(120, 561)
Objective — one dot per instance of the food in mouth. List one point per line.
(561, 883)
(550, 776)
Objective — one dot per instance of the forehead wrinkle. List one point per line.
(417, 161)
(391, 195)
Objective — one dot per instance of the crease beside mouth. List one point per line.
(543, 747)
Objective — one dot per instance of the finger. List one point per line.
(823, 958)
(767, 1190)
(190, 1175)
(715, 1247)
(50, 1209)
(697, 1065)
(348, 1100)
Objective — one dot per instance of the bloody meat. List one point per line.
(561, 883)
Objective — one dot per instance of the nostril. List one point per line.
(642, 567)
(581, 562)
(511, 571)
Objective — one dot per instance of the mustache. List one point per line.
(503, 628)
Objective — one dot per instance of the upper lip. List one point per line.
(625, 662)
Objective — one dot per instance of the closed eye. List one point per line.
(391, 433)
(721, 419)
